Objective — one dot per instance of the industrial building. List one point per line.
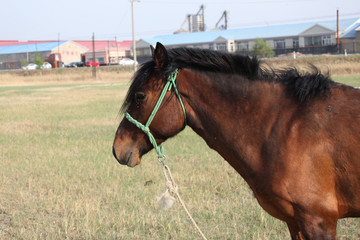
(309, 38)
(12, 56)
(14, 53)
(106, 51)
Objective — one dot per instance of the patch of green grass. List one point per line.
(352, 80)
(59, 179)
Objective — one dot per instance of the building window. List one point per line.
(279, 44)
(295, 43)
(242, 46)
(313, 41)
(308, 41)
(326, 40)
(211, 46)
(221, 47)
(317, 41)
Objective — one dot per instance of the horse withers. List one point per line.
(294, 137)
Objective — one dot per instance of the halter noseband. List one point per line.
(145, 128)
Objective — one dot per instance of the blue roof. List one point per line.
(350, 32)
(272, 31)
(33, 47)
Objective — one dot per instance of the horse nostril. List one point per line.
(125, 160)
(129, 158)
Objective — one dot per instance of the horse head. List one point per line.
(143, 127)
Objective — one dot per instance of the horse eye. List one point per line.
(139, 97)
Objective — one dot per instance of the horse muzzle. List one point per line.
(130, 158)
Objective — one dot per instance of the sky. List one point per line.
(78, 19)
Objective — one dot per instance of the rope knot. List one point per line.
(172, 187)
(146, 129)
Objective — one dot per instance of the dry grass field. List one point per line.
(59, 180)
(334, 65)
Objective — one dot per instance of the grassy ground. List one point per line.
(58, 179)
(349, 80)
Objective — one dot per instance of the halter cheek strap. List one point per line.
(145, 128)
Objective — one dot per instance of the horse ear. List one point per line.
(152, 50)
(160, 56)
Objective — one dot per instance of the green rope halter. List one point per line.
(145, 128)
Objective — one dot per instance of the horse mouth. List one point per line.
(129, 159)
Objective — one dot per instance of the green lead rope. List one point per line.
(145, 128)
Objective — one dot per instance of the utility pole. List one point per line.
(58, 42)
(57, 63)
(337, 32)
(93, 62)
(117, 51)
(133, 33)
(108, 52)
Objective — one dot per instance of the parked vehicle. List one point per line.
(46, 65)
(75, 65)
(127, 62)
(91, 63)
(31, 66)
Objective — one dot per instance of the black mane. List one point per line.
(214, 61)
(301, 86)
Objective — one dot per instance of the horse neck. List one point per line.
(233, 121)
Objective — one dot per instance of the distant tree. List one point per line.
(38, 60)
(24, 62)
(260, 49)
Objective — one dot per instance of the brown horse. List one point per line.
(293, 137)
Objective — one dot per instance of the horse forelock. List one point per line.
(144, 73)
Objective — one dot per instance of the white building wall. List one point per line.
(288, 43)
(70, 52)
(251, 45)
(231, 46)
(270, 43)
(333, 39)
(301, 42)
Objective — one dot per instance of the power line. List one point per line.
(226, 2)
